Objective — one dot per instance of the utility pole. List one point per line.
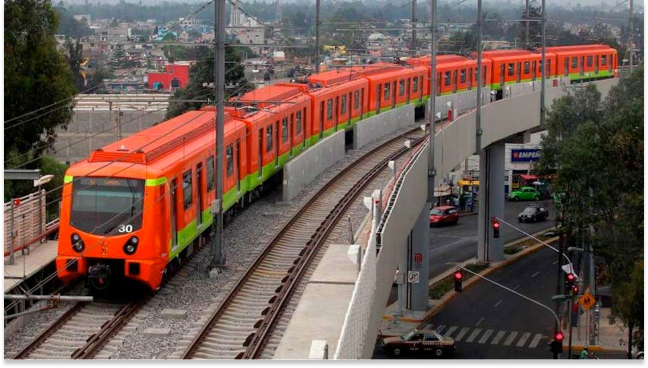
(317, 35)
(544, 65)
(479, 78)
(432, 117)
(217, 258)
(631, 35)
(413, 48)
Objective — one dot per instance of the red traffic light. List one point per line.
(559, 336)
(571, 277)
(496, 224)
(458, 275)
(16, 202)
(575, 289)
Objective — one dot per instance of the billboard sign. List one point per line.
(525, 155)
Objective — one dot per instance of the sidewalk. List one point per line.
(610, 337)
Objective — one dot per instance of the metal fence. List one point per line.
(26, 220)
(352, 339)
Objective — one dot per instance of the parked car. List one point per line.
(420, 342)
(525, 194)
(444, 215)
(533, 213)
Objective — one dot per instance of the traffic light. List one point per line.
(16, 202)
(569, 281)
(575, 290)
(557, 343)
(458, 278)
(496, 227)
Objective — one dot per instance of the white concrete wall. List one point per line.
(377, 126)
(303, 169)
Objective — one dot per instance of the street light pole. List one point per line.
(413, 49)
(317, 35)
(631, 36)
(544, 65)
(217, 257)
(479, 78)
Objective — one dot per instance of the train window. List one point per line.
(511, 69)
(284, 130)
(387, 88)
(210, 173)
(269, 138)
(603, 59)
(574, 62)
(329, 109)
(299, 121)
(446, 78)
(229, 156)
(187, 189)
(415, 86)
(526, 67)
(356, 100)
(462, 76)
(343, 107)
(401, 87)
(590, 60)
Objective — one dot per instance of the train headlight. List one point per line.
(131, 246)
(77, 243)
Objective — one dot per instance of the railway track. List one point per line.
(243, 323)
(81, 331)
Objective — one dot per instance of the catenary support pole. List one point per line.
(413, 47)
(317, 35)
(217, 257)
(433, 92)
(526, 35)
(479, 77)
(544, 65)
(631, 35)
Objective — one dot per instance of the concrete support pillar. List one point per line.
(419, 262)
(491, 202)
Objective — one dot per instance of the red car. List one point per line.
(444, 215)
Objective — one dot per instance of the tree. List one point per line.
(203, 72)
(75, 60)
(36, 75)
(596, 149)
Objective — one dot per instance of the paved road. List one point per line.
(457, 243)
(491, 323)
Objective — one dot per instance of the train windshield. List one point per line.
(107, 206)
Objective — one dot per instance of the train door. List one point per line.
(321, 120)
(238, 166)
(420, 89)
(407, 90)
(454, 81)
(438, 85)
(303, 127)
(199, 190)
(502, 75)
(361, 103)
(533, 70)
(566, 67)
(276, 147)
(393, 95)
(519, 71)
(260, 152)
(470, 78)
(174, 213)
(610, 62)
(379, 98)
(350, 108)
(582, 65)
(336, 112)
(291, 134)
(596, 65)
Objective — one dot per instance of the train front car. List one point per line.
(108, 229)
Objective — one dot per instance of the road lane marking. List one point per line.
(535, 274)
(510, 338)
(440, 328)
(535, 341)
(485, 337)
(498, 303)
(473, 335)
(480, 321)
(498, 337)
(555, 262)
(450, 331)
(523, 339)
(462, 333)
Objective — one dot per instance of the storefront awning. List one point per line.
(529, 177)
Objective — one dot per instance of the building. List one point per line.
(175, 76)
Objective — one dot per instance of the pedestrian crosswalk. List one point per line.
(489, 336)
